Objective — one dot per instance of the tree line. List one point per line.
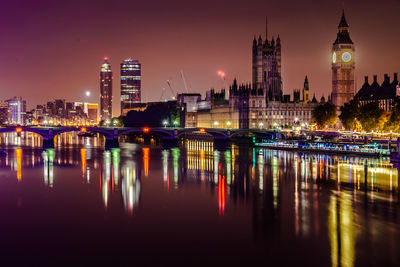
(356, 117)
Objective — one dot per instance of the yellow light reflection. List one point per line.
(83, 160)
(18, 154)
(146, 158)
(341, 230)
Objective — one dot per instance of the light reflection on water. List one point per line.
(334, 201)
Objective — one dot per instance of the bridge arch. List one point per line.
(216, 133)
(167, 133)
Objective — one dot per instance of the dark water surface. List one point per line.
(78, 204)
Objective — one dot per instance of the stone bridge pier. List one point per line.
(112, 140)
(171, 141)
(48, 138)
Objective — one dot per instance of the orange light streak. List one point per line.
(146, 158)
(18, 153)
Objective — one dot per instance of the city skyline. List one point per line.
(167, 43)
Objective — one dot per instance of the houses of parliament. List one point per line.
(262, 104)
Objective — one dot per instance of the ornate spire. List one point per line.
(343, 22)
(266, 28)
(278, 42)
(343, 36)
(306, 86)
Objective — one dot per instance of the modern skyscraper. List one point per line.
(105, 91)
(130, 84)
(342, 65)
(267, 67)
(18, 110)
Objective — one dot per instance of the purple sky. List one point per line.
(54, 48)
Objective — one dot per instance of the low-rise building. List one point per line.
(384, 93)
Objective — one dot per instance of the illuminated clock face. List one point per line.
(346, 57)
(334, 57)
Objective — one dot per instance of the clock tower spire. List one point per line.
(343, 65)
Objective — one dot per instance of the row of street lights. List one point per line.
(165, 123)
(228, 124)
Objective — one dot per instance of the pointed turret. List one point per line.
(278, 41)
(306, 83)
(395, 81)
(314, 99)
(259, 40)
(306, 91)
(343, 22)
(254, 41)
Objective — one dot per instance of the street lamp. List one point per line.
(87, 93)
(228, 123)
(165, 123)
(261, 125)
(216, 123)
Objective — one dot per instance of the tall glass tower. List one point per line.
(130, 83)
(105, 91)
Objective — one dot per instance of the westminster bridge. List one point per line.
(168, 135)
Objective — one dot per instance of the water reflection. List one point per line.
(341, 230)
(33, 140)
(48, 167)
(317, 198)
(115, 152)
(130, 185)
(106, 176)
(18, 157)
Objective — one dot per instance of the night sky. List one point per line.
(54, 48)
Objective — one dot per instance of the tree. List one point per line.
(349, 114)
(154, 116)
(325, 115)
(371, 116)
(393, 122)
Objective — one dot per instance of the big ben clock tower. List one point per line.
(342, 66)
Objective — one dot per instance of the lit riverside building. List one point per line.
(18, 110)
(130, 84)
(105, 91)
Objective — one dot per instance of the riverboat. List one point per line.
(374, 150)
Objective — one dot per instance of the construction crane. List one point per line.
(162, 94)
(170, 88)
(184, 81)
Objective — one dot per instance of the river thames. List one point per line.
(79, 204)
